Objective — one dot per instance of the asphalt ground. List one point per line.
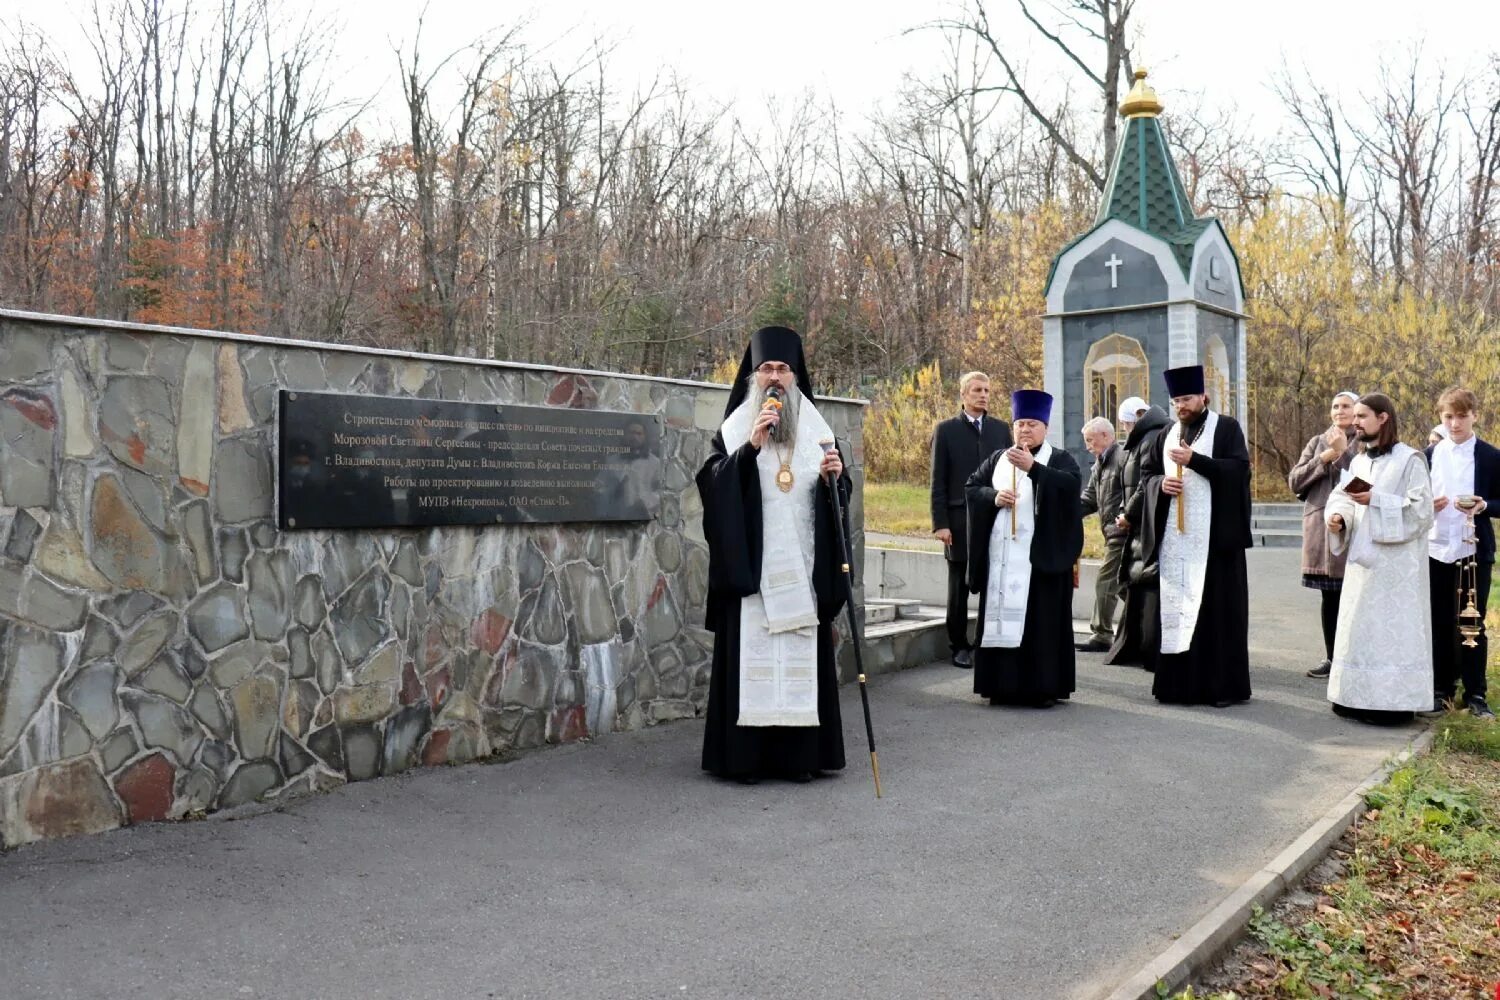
(1017, 853)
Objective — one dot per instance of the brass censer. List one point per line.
(1470, 621)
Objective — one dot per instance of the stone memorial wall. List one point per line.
(168, 649)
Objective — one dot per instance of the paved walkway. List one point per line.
(917, 542)
(1017, 853)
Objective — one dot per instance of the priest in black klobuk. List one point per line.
(1202, 531)
(774, 573)
(1025, 533)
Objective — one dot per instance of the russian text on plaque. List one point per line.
(347, 461)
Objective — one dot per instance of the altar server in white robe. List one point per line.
(1379, 516)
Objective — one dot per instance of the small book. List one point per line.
(1354, 484)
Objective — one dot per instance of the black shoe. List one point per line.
(747, 779)
(1442, 702)
(1321, 670)
(1046, 703)
(1478, 708)
(1092, 646)
(963, 659)
(800, 777)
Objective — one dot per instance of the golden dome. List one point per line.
(1142, 101)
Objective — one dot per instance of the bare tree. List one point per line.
(448, 174)
(1320, 154)
(1090, 23)
(1406, 152)
(1481, 114)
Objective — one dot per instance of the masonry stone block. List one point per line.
(249, 782)
(242, 480)
(28, 423)
(31, 661)
(56, 800)
(217, 618)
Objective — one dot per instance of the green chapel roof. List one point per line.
(1144, 188)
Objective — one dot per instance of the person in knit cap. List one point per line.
(775, 573)
(1025, 533)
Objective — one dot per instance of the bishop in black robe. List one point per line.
(1214, 668)
(732, 484)
(1039, 669)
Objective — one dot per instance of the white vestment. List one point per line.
(1008, 586)
(1382, 651)
(1183, 563)
(779, 624)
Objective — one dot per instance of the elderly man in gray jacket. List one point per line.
(1105, 495)
(1312, 479)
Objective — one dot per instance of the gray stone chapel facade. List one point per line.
(1149, 287)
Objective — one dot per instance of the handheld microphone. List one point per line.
(774, 395)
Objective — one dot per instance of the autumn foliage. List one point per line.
(198, 165)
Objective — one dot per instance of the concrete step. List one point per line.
(905, 607)
(875, 614)
(1278, 523)
(1276, 510)
(912, 642)
(1273, 539)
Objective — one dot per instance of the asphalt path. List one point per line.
(1017, 853)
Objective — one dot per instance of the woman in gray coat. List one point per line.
(1312, 479)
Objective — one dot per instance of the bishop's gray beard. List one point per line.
(784, 432)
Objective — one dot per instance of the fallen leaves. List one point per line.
(1406, 907)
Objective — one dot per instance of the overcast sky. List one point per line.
(856, 51)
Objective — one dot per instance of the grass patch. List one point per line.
(906, 509)
(1463, 733)
(899, 509)
(1408, 905)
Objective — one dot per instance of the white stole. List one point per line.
(778, 625)
(1183, 563)
(1008, 586)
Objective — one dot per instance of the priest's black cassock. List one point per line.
(1214, 668)
(1041, 668)
(731, 487)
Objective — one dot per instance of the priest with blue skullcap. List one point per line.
(1025, 533)
(1202, 532)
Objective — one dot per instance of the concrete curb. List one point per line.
(1210, 937)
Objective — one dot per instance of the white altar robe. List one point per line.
(779, 624)
(1382, 651)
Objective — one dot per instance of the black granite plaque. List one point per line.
(374, 461)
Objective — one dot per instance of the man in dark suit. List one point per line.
(959, 444)
(1465, 471)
